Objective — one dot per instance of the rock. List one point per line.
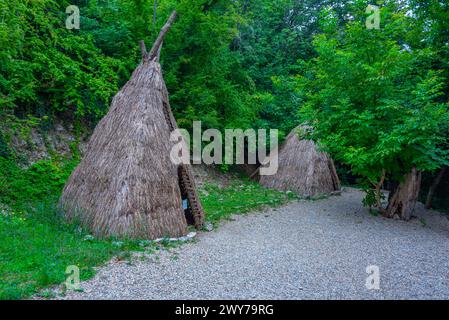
(208, 226)
(117, 244)
(89, 238)
(36, 146)
(144, 243)
(4, 210)
(59, 127)
(191, 235)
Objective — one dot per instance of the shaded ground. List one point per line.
(306, 250)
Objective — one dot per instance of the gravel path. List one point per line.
(306, 250)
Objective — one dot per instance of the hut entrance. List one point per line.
(190, 199)
(186, 206)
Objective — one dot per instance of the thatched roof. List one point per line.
(126, 185)
(302, 168)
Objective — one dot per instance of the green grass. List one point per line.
(36, 245)
(239, 198)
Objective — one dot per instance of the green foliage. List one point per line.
(277, 34)
(374, 103)
(37, 182)
(226, 63)
(206, 79)
(47, 69)
(431, 32)
(36, 247)
(370, 199)
(239, 198)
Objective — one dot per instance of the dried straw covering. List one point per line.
(302, 168)
(126, 185)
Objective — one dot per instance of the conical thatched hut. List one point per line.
(302, 168)
(126, 185)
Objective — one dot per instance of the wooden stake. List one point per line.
(158, 43)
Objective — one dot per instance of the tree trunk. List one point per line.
(434, 186)
(402, 203)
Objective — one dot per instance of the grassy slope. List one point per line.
(36, 246)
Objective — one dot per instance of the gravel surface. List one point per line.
(306, 250)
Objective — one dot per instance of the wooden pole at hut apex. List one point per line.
(156, 49)
(186, 174)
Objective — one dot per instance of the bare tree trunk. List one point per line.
(402, 203)
(434, 186)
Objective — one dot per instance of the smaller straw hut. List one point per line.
(303, 169)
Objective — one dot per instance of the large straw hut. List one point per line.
(126, 185)
(303, 169)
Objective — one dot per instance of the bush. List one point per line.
(42, 179)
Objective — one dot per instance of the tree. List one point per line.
(434, 186)
(276, 34)
(433, 21)
(373, 100)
